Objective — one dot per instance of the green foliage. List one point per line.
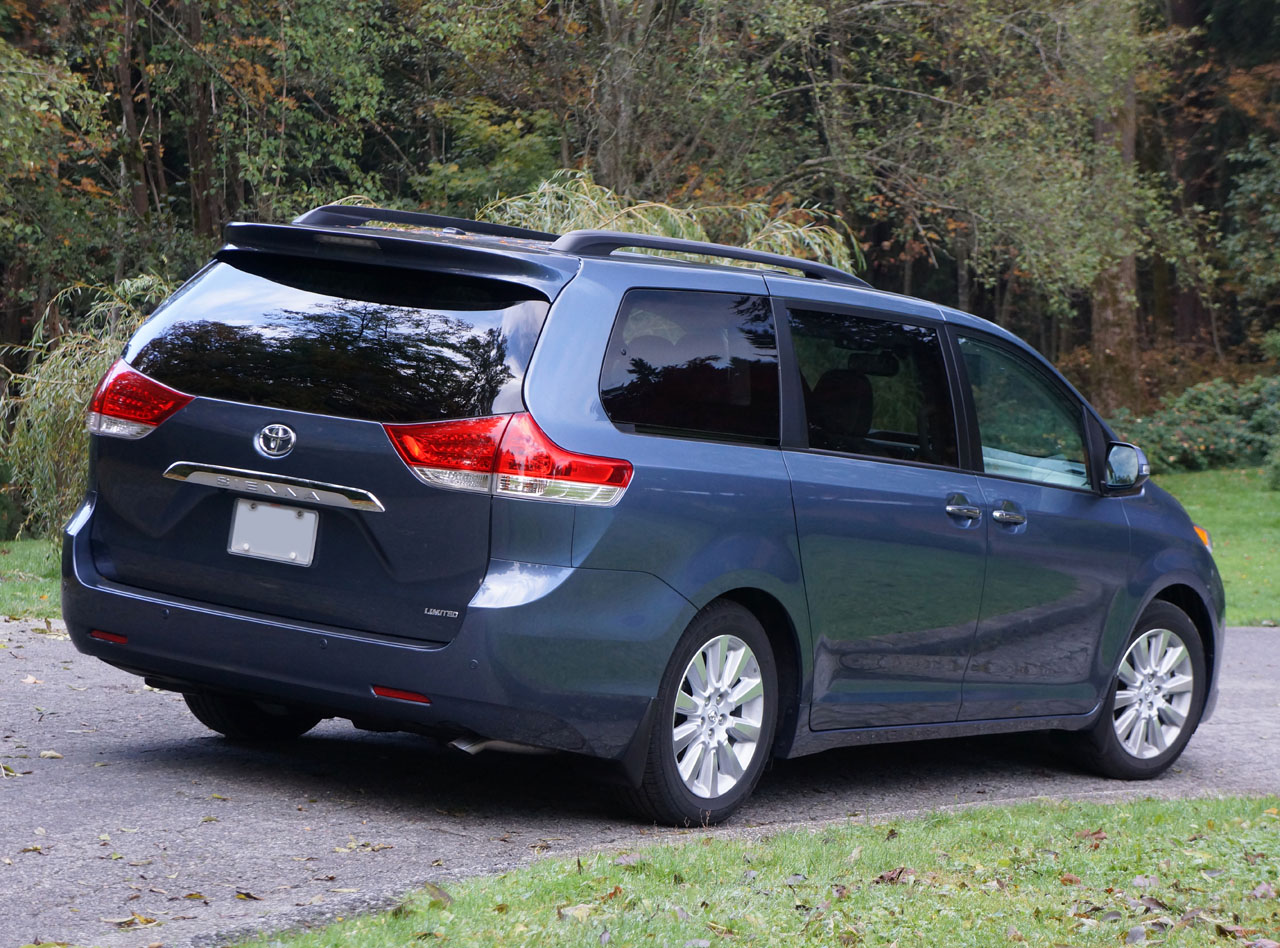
(1252, 245)
(1179, 872)
(48, 444)
(1213, 424)
(574, 201)
(1273, 465)
(10, 511)
(491, 152)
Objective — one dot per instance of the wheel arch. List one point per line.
(1197, 610)
(788, 656)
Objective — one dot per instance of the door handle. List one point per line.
(1007, 515)
(958, 506)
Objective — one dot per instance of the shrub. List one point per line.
(1213, 424)
(1273, 465)
(47, 445)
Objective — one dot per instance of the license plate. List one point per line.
(273, 532)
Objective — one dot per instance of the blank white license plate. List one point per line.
(273, 532)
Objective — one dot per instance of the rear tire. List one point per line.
(717, 712)
(1155, 700)
(242, 719)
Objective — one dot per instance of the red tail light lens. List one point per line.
(532, 465)
(510, 455)
(127, 404)
(458, 454)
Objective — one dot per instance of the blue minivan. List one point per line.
(506, 487)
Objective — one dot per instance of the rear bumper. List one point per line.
(553, 657)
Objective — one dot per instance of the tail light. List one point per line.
(127, 404)
(507, 455)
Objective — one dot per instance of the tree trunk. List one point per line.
(204, 203)
(1114, 323)
(131, 150)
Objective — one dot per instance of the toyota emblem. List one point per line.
(275, 441)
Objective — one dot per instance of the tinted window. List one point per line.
(1029, 427)
(690, 363)
(874, 387)
(334, 338)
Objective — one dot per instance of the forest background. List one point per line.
(1100, 176)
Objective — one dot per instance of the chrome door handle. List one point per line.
(964, 511)
(1011, 517)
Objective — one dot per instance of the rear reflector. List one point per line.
(508, 455)
(400, 695)
(127, 404)
(109, 637)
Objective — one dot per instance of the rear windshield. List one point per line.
(352, 340)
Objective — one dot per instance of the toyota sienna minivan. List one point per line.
(682, 515)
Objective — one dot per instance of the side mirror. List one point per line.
(1127, 468)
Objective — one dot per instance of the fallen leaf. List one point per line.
(1263, 891)
(697, 943)
(1069, 878)
(578, 913)
(893, 876)
(50, 755)
(32, 680)
(628, 859)
(1136, 934)
(855, 855)
(605, 937)
(196, 896)
(1154, 904)
(247, 896)
(611, 894)
(796, 879)
(892, 834)
(1014, 935)
(208, 819)
(723, 930)
(1112, 916)
(1145, 882)
(682, 915)
(439, 897)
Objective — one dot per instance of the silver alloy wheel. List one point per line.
(715, 731)
(1153, 694)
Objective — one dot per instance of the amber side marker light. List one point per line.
(400, 695)
(1203, 534)
(109, 637)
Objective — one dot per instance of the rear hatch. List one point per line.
(276, 488)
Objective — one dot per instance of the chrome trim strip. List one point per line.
(274, 486)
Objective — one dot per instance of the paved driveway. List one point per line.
(146, 812)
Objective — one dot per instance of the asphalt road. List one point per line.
(119, 802)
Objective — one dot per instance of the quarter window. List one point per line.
(874, 387)
(1029, 427)
(693, 364)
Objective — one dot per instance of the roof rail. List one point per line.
(601, 243)
(350, 215)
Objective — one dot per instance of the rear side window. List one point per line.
(352, 340)
(874, 388)
(693, 364)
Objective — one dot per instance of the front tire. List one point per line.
(242, 719)
(717, 713)
(1156, 697)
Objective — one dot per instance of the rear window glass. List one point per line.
(693, 364)
(345, 339)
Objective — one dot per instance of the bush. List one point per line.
(10, 512)
(1273, 465)
(1213, 424)
(47, 445)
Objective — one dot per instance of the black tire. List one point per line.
(664, 795)
(242, 719)
(1101, 747)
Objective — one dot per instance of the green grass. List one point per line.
(29, 577)
(1244, 519)
(1193, 873)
